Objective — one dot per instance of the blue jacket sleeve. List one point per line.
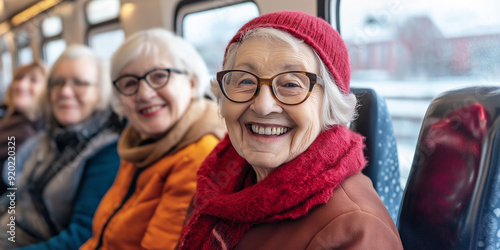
(98, 176)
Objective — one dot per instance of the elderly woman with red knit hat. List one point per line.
(288, 175)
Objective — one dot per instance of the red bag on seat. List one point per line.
(448, 172)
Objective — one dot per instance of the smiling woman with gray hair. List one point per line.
(288, 175)
(159, 81)
(70, 165)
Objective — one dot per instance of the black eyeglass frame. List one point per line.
(313, 78)
(74, 83)
(169, 70)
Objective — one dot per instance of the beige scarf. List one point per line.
(201, 118)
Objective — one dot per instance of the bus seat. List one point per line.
(375, 124)
(452, 197)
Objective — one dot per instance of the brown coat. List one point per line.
(354, 218)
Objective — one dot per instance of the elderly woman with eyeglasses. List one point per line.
(287, 176)
(160, 82)
(71, 165)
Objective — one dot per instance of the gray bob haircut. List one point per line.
(337, 107)
(161, 42)
(103, 84)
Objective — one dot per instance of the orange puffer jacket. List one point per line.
(153, 214)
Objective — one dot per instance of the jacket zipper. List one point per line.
(130, 191)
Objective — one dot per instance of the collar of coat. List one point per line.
(201, 118)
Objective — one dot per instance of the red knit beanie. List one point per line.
(315, 32)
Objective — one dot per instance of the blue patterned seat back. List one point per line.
(375, 124)
(452, 197)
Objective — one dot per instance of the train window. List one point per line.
(6, 72)
(52, 50)
(53, 45)
(99, 42)
(99, 11)
(210, 30)
(410, 51)
(105, 34)
(52, 26)
(24, 51)
(6, 67)
(24, 56)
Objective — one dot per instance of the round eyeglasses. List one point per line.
(157, 78)
(290, 88)
(78, 85)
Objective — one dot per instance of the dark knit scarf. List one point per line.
(77, 135)
(226, 204)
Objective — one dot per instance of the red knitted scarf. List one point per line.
(227, 204)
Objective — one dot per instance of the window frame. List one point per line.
(324, 7)
(18, 58)
(101, 27)
(21, 45)
(45, 40)
(6, 79)
(187, 7)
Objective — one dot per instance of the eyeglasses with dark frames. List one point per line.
(290, 88)
(128, 85)
(78, 85)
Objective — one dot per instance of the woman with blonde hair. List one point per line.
(22, 117)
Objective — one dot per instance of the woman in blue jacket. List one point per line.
(72, 164)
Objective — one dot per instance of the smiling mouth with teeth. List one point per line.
(255, 129)
(150, 110)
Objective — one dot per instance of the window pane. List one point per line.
(210, 31)
(52, 26)
(106, 43)
(52, 50)
(410, 51)
(25, 56)
(22, 38)
(6, 73)
(102, 10)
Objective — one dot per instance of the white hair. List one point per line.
(337, 108)
(78, 51)
(159, 41)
